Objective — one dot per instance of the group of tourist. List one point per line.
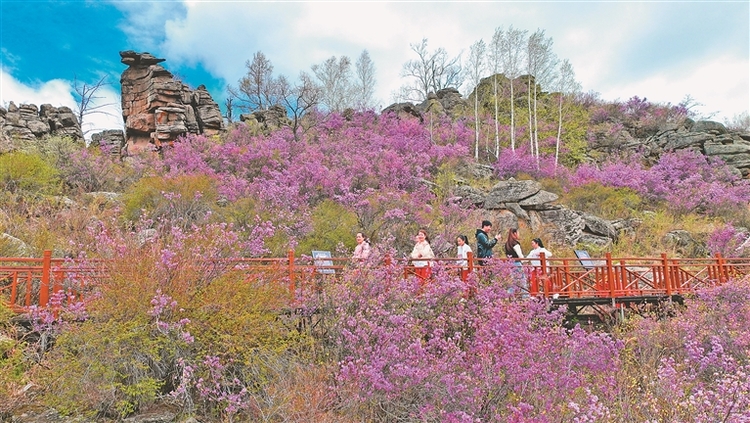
(422, 251)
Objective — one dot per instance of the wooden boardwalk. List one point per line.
(579, 284)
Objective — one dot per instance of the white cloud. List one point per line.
(719, 85)
(603, 41)
(58, 92)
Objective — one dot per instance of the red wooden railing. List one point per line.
(27, 282)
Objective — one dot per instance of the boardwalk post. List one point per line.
(290, 258)
(723, 274)
(470, 260)
(667, 274)
(610, 275)
(44, 285)
(543, 274)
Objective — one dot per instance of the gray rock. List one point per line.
(404, 109)
(564, 226)
(595, 241)
(468, 194)
(598, 226)
(16, 246)
(709, 126)
(540, 201)
(29, 122)
(510, 191)
(517, 210)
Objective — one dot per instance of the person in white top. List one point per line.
(421, 251)
(362, 250)
(462, 249)
(538, 249)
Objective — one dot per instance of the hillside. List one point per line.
(635, 179)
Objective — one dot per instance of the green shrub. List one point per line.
(27, 173)
(111, 368)
(185, 199)
(605, 202)
(332, 225)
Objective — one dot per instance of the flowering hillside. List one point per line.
(175, 329)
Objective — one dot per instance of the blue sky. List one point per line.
(661, 50)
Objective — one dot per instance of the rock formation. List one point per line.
(512, 200)
(112, 140)
(266, 120)
(446, 102)
(157, 108)
(709, 138)
(27, 122)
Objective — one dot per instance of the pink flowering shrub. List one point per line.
(729, 241)
(433, 352)
(687, 181)
(512, 163)
(345, 160)
(694, 366)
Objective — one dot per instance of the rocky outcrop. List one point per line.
(28, 122)
(511, 201)
(266, 120)
(709, 138)
(157, 108)
(445, 102)
(111, 140)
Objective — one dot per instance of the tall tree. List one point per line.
(476, 68)
(257, 90)
(512, 51)
(566, 86)
(495, 63)
(336, 89)
(540, 66)
(365, 82)
(430, 72)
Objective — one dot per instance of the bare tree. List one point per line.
(566, 86)
(229, 105)
(511, 52)
(431, 72)
(365, 85)
(257, 90)
(476, 68)
(495, 64)
(541, 66)
(86, 99)
(336, 88)
(299, 99)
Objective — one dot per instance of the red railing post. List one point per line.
(290, 267)
(14, 290)
(543, 272)
(667, 274)
(723, 274)
(610, 275)
(470, 260)
(44, 285)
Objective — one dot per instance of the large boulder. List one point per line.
(158, 109)
(510, 191)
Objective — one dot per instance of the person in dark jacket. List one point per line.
(484, 242)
